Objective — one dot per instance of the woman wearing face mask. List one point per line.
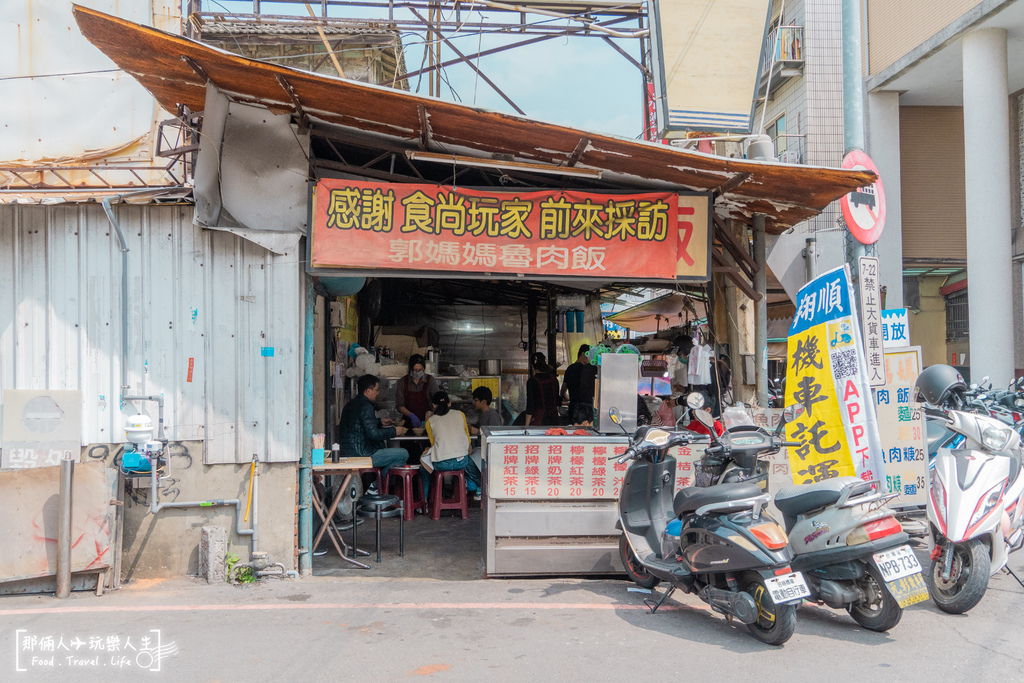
(412, 395)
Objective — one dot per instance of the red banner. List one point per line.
(552, 232)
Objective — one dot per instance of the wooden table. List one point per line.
(348, 467)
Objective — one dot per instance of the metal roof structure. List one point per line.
(176, 70)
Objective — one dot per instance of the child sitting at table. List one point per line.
(449, 444)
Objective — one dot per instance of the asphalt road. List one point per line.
(362, 628)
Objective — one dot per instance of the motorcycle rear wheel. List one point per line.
(775, 623)
(968, 580)
(882, 611)
(636, 572)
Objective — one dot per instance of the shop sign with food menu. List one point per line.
(576, 469)
(366, 225)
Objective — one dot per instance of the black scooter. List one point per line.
(715, 542)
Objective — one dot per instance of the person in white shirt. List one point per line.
(449, 443)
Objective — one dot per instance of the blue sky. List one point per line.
(580, 82)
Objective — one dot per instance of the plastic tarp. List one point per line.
(664, 312)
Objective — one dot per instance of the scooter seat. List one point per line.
(692, 497)
(796, 500)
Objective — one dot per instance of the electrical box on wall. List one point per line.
(41, 427)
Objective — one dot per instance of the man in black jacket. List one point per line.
(363, 435)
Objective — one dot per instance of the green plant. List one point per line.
(245, 575)
(230, 560)
(242, 574)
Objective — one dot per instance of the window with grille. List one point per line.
(956, 316)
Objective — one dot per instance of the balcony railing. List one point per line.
(784, 44)
(791, 149)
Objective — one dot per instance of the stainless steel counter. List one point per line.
(551, 501)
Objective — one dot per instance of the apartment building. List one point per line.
(944, 83)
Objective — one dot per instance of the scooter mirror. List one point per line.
(615, 416)
(704, 417)
(695, 400)
(793, 411)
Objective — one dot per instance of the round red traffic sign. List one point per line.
(864, 208)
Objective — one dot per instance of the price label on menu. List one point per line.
(584, 470)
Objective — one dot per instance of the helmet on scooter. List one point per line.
(937, 384)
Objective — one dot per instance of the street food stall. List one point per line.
(470, 207)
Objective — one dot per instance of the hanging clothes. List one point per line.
(699, 370)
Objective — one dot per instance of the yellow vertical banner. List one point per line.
(824, 453)
(827, 374)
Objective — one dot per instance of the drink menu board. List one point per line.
(568, 468)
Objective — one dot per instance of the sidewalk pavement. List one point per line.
(380, 629)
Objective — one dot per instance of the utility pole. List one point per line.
(853, 111)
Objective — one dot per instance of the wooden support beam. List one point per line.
(581, 147)
(300, 113)
(741, 282)
(195, 67)
(736, 249)
(424, 128)
(731, 184)
(327, 44)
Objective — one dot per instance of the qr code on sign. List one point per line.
(844, 363)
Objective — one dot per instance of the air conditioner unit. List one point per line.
(789, 157)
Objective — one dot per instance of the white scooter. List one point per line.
(975, 501)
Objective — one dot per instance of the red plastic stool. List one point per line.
(458, 501)
(375, 471)
(408, 491)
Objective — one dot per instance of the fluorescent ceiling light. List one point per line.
(456, 160)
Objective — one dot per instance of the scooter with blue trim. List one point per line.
(717, 543)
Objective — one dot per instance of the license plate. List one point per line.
(897, 563)
(787, 588)
(908, 590)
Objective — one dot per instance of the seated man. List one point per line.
(487, 417)
(364, 436)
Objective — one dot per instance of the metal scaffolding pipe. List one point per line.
(761, 321)
(67, 476)
(586, 21)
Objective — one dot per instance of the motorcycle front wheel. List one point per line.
(775, 623)
(879, 611)
(636, 571)
(967, 580)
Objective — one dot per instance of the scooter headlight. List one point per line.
(996, 438)
(985, 505)
(938, 495)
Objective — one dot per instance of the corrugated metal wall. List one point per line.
(205, 297)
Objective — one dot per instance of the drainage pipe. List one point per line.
(155, 506)
(107, 209)
(254, 483)
(306, 461)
